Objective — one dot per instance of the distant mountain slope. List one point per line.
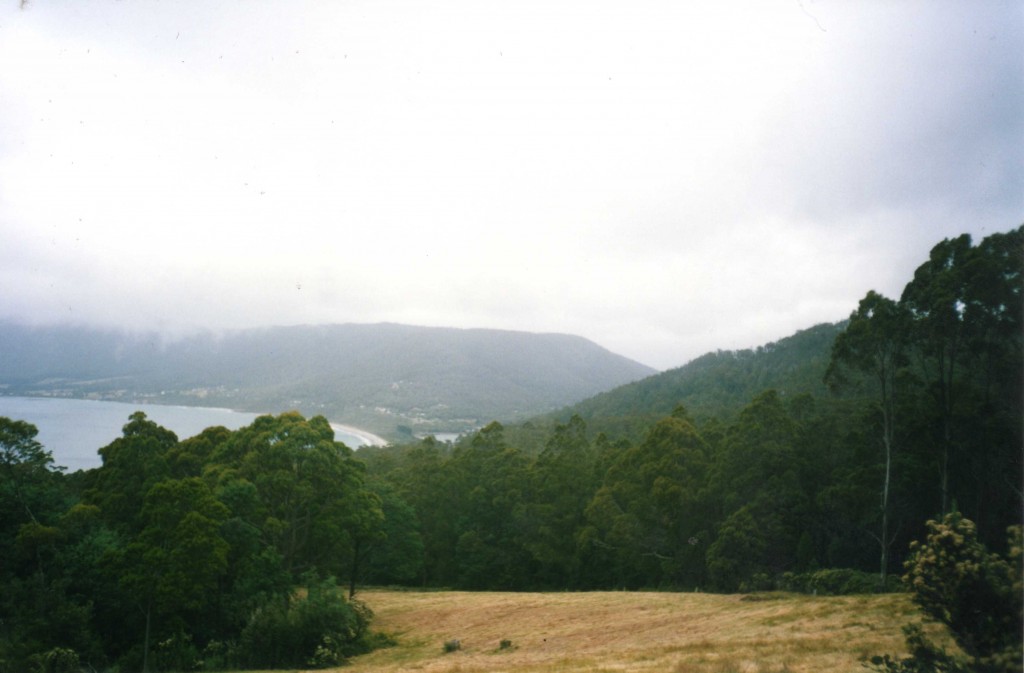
(376, 376)
(715, 384)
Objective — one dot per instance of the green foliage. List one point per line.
(837, 582)
(176, 547)
(797, 486)
(176, 653)
(761, 481)
(653, 509)
(132, 464)
(875, 345)
(560, 483)
(716, 384)
(396, 556)
(975, 593)
(734, 556)
(177, 559)
(318, 630)
(29, 488)
(57, 660)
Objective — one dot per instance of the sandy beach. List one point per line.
(366, 438)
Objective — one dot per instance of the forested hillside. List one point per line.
(716, 384)
(380, 377)
(910, 409)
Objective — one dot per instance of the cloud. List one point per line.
(908, 108)
(663, 178)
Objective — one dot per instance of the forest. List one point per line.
(248, 547)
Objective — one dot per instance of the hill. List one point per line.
(382, 377)
(633, 631)
(716, 384)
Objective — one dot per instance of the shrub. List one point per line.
(215, 656)
(319, 630)
(977, 595)
(58, 660)
(837, 582)
(759, 582)
(176, 653)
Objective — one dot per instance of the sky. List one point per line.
(663, 178)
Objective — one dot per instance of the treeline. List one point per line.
(716, 384)
(928, 421)
(214, 552)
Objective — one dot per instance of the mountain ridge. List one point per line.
(716, 384)
(390, 378)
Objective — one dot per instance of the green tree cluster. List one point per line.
(924, 411)
(718, 506)
(202, 554)
(942, 371)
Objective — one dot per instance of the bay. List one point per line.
(74, 430)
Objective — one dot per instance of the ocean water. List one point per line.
(74, 430)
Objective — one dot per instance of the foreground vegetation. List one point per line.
(219, 551)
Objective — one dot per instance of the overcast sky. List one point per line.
(664, 178)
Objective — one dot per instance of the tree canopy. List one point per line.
(171, 555)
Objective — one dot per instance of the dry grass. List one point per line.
(632, 632)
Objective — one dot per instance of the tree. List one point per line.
(994, 307)
(132, 464)
(562, 480)
(652, 511)
(24, 464)
(36, 612)
(180, 546)
(936, 300)
(396, 556)
(313, 504)
(424, 480)
(734, 557)
(875, 343)
(364, 527)
(489, 479)
(976, 594)
(757, 481)
(30, 493)
(965, 304)
(172, 567)
(988, 421)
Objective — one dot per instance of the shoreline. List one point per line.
(368, 438)
(365, 437)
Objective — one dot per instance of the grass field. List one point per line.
(633, 632)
